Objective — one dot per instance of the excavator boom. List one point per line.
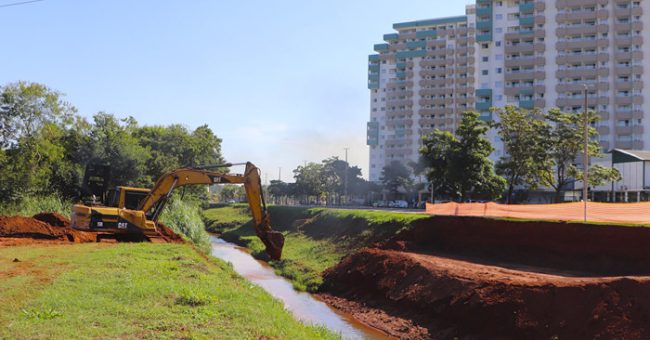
(120, 219)
(155, 201)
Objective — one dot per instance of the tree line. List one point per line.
(540, 150)
(45, 145)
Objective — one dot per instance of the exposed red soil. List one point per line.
(479, 278)
(169, 235)
(587, 249)
(53, 219)
(55, 228)
(381, 319)
(32, 228)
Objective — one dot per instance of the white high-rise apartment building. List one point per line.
(532, 54)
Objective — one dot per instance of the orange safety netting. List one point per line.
(632, 213)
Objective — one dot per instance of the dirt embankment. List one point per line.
(53, 227)
(43, 226)
(479, 278)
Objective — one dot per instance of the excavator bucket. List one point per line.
(274, 241)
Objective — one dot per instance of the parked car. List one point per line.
(398, 204)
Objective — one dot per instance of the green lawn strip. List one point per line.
(315, 238)
(149, 290)
(25, 270)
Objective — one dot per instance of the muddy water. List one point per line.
(302, 305)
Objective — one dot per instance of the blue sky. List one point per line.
(281, 82)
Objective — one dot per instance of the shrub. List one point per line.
(32, 205)
(184, 217)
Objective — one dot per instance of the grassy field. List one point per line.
(134, 291)
(315, 238)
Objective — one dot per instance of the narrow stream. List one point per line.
(302, 305)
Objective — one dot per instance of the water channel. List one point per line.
(303, 306)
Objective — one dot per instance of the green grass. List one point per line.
(222, 216)
(32, 205)
(134, 291)
(315, 238)
(184, 217)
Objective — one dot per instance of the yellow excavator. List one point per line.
(121, 218)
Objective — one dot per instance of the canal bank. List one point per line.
(305, 307)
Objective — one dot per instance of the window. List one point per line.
(499, 16)
(499, 70)
(498, 30)
(485, 59)
(484, 72)
(497, 43)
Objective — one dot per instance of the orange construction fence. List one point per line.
(630, 213)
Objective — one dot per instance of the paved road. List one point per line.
(397, 210)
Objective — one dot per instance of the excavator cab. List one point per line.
(126, 197)
(95, 183)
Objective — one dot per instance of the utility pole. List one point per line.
(347, 167)
(585, 156)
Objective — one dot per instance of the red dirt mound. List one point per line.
(27, 227)
(53, 219)
(452, 298)
(588, 249)
(169, 234)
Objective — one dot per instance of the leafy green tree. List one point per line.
(231, 192)
(599, 175)
(396, 177)
(334, 175)
(459, 165)
(25, 107)
(113, 142)
(279, 188)
(436, 161)
(565, 144)
(33, 120)
(525, 136)
(309, 181)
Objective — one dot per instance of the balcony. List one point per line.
(527, 21)
(484, 37)
(410, 54)
(484, 25)
(391, 37)
(527, 104)
(482, 12)
(426, 34)
(483, 106)
(527, 7)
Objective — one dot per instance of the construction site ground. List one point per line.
(479, 278)
(57, 282)
(442, 277)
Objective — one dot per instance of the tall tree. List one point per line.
(459, 165)
(33, 119)
(396, 177)
(113, 142)
(525, 136)
(566, 142)
(309, 181)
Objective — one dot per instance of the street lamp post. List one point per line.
(345, 185)
(585, 157)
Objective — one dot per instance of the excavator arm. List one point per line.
(155, 201)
